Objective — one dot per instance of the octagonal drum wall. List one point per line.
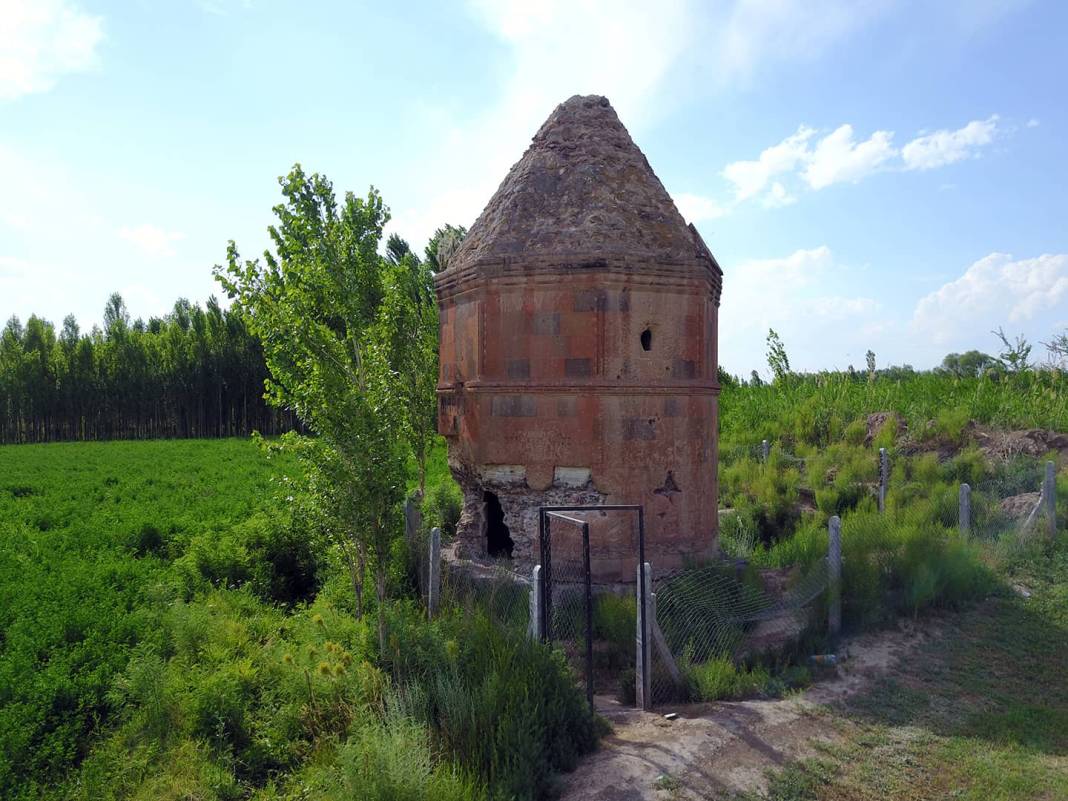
(555, 372)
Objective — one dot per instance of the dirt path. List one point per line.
(719, 749)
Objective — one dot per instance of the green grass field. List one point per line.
(89, 533)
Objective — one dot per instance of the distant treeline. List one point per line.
(196, 372)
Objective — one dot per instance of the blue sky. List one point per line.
(870, 174)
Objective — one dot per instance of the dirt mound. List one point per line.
(1020, 506)
(1030, 442)
(876, 422)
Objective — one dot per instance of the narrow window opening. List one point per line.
(498, 537)
(647, 339)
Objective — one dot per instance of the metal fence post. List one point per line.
(641, 663)
(1049, 495)
(965, 513)
(884, 478)
(765, 450)
(834, 570)
(434, 575)
(535, 627)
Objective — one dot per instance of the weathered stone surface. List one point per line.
(578, 325)
(582, 189)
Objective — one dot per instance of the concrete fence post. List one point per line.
(1049, 495)
(765, 450)
(433, 595)
(834, 576)
(641, 663)
(535, 629)
(667, 659)
(884, 478)
(965, 513)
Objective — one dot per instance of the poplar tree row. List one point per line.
(196, 372)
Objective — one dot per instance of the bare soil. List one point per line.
(724, 748)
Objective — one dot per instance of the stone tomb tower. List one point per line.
(578, 353)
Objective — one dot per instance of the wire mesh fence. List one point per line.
(590, 595)
(1009, 502)
(493, 589)
(706, 616)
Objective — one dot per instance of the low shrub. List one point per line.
(507, 708)
(720, 679)
(390, 760)
(281, 561)
(442, 507)
(615, 623)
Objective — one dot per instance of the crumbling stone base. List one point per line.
(520, 504)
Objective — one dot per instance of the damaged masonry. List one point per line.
(578, 347)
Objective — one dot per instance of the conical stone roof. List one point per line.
(583, 191)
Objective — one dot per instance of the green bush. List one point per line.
(442, 507)
(391, 760)
(507, 708)
(892, 567)
(719, 678)
(280, 561)
(615, 623)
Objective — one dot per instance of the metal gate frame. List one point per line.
(545, 513)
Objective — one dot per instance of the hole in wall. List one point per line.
(498, 538)
(647, 339)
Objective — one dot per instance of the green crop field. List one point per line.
(91, 533)
(171, 629)
(174, 625)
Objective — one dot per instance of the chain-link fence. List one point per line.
(1011, 501)
(706, 616)
(590, 594)
(495, 590)
(704, 619)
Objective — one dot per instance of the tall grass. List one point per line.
(817, 409)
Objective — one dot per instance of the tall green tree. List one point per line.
(778, 361)
(333, 317)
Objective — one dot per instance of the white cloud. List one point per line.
(151, 239)
(807, 298)
(1033, 122)
(837, 158)
(946, 147)
(36, 185)
(995, 291)
(805, 159)
(42, 40)
(555, 49)
(777, 197)
(750, 177)
(695, 208)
